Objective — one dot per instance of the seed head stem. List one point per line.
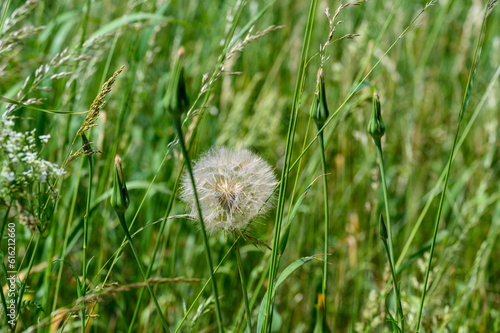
(326, 222)
(388, 242)
(86, 145)
(120, 202)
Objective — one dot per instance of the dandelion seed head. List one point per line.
(233, 188)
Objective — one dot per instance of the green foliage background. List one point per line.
(421, 83)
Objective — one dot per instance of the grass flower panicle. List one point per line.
(233, 188)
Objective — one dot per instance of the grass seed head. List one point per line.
(233, 188)
(98, 103)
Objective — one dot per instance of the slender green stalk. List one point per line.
(178, 129)
(380, 156)
(23, 284)
(4, 15)
(388, 242)
(89, 152)
(205, 286)
(243, 287)
(78, 49)
(5, 218)
(326, 222)
(463, 108)
(66, 236)
(399, 307)
(287, 159)
(319, 113)
(121, 218)
(155, 250)
(354, 91)
(376, 129)
(120, 201)
(4, 301)
(424, 211)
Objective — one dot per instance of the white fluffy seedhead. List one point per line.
(232, 188)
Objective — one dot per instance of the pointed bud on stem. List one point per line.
(119, 197)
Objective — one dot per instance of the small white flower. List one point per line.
(233, 188)
(8, 175)
(44, 138)
(29, 158)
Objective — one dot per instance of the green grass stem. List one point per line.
(273, 271)
(243, 287)
(324, 282)
(388, 242)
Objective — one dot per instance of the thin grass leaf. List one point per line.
(283, 276)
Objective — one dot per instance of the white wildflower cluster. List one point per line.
(20, 165)
(233, 188)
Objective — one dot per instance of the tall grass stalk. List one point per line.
(120, 201)
(243, 286)
(324, 282)
(465, 103)
(5, 9)
(228, 42)
(22, 288)
(274, 261)
(178, 129)
(384, 236)
(205, 286)
(388, 242)
(432, 194)
(319, 115)
(123, 223)
(156, 247)
(376, 129)
(357, 87)
(88, 150)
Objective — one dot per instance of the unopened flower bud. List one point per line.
(376, 126)
(320, 111)
(119, 197)
(176, 99)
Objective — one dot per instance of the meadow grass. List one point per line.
(319, 260)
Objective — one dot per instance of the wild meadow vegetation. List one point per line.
(345, 156)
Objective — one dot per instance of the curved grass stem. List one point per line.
(243, 287)
(326, 223)
(463, 108)
(388, 242)
(85, 240)
(155, 251)
(178, 129)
